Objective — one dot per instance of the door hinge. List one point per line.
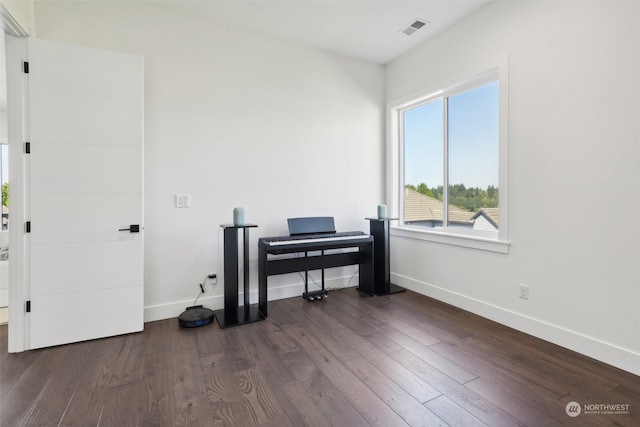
(27, 227)
(27, 148)
(25, 67)
(27, 306)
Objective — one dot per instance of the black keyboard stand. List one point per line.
(232, 314)
(379, 229)
(363, 257)
(313, 295)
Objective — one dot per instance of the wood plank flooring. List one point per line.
(349, 360)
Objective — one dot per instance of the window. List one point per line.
(449, 146)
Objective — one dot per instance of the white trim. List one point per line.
(16, 52)
(603, 351)
(395, 163)
(503, 150)
(431, 235)
(168, 311)
(10, 25)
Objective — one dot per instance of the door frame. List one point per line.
(16, 53)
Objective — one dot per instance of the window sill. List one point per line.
(472, 242)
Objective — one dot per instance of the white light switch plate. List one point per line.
(183, 200)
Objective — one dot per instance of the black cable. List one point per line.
(196, 300)
(201, 289)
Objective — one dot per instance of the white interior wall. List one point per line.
(235, 119)
(574, 174)
(224, 108)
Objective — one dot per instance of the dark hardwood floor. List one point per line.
(349, 360)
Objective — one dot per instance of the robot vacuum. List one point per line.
(195, 316)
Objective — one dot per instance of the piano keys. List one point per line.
(312, 242)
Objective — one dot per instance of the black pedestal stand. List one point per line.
(232, 314)
(379, 229)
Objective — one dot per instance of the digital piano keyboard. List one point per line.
(312, 243)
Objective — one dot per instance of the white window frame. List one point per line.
(495, 242)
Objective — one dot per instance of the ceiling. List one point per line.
(370, 30)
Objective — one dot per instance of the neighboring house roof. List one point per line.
(490, 214)
(420, 207)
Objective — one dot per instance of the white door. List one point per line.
(84, 185)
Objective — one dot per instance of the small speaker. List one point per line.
(382, 211)
(238, 216)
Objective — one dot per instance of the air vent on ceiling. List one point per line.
(414, 26)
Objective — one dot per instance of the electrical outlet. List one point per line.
(213, 278)
(524, 291)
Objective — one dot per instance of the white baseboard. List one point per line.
(170, 310)
(600, 350)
